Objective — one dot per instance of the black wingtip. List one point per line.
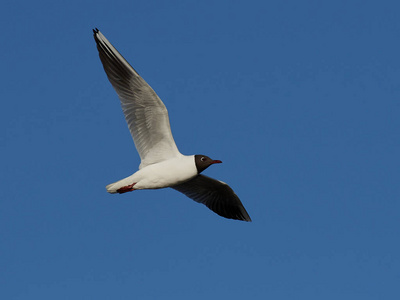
(243, 217)
(246, 216)
(246, 219)
(95, 30)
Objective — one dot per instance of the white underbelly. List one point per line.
(165, 174)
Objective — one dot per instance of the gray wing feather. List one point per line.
(145, 113)
(216, 195)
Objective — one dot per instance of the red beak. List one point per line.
(216, 162)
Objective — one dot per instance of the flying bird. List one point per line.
(162, 165)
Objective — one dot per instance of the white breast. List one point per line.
(167, 173)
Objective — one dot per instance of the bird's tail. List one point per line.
(116, 187)
(111, 188)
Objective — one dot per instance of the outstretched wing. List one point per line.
(216, 195)
(145, 113)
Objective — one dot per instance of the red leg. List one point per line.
(125, 189)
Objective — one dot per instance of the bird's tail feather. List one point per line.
(111, 188)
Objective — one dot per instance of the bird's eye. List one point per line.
(203, 158)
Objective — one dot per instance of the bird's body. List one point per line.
(159, 175)
(162, 165)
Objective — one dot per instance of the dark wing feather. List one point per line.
(216, 195)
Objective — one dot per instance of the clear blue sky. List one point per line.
(299, 99)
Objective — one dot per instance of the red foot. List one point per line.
(125, 189)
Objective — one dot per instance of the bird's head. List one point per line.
(203, 162)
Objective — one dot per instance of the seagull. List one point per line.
(162, 165)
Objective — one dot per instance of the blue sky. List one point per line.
(299, 99)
